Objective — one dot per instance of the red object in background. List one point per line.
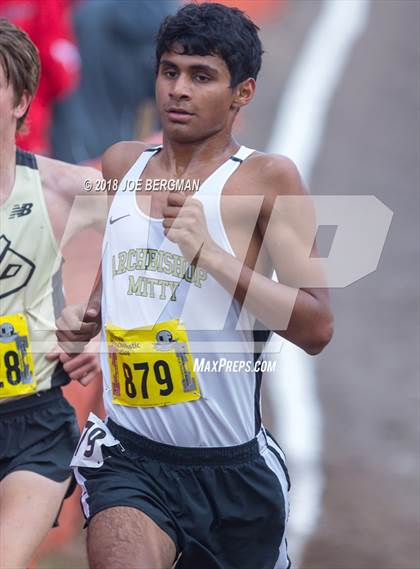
(48, 24)
(259, 11)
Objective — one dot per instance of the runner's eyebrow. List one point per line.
(167, 62)
(198, 67)
(204, 68)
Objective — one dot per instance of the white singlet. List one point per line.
(141, 271)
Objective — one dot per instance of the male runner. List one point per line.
(183, 465)
(38, 429)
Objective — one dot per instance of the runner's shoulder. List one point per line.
(120, 157)
(272, 175)
(69, 180)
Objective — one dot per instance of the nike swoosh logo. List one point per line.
(111, 221)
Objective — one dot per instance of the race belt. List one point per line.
(151, 366)
(17, 375)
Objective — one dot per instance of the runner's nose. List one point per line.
(181, 88)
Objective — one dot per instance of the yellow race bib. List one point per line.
(17, 375)
(151, 366)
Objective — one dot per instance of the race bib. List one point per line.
(151, 366)
(17, 375)
(95, 435)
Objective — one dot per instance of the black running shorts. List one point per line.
(224, 508)
(39, 434)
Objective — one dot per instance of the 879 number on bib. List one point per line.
(151, 366)
(152, 382)
(161, 373)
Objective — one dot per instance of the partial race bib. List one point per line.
(95, 435)
(17, 376)
(151, 366)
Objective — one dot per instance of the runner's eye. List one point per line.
(169, 73)
(201, 78)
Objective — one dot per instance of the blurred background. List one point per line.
(339, 92)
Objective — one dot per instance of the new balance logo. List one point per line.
(21, 210)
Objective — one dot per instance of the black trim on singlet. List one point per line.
(24, 158)
(153, 149)
(59, 376)
(258, 336)
(58, 293)
(257, 397)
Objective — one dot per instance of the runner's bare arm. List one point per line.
(116, 162)
(297, 307)
(73, 197)
(71, 209)
(288, 226)
(78, 324)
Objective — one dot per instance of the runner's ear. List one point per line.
(243, 93)
(22, 105)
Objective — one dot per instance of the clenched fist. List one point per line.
(185, 224)
(76, 326)
(82, 367)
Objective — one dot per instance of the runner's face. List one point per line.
(6, 106)
(9, 111)
(193, 96)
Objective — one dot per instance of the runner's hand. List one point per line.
(82, 367)
(185, 224)
(77, 326)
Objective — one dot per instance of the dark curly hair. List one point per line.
(214, 29)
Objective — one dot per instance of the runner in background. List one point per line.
(48, 24)
(38, 428)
